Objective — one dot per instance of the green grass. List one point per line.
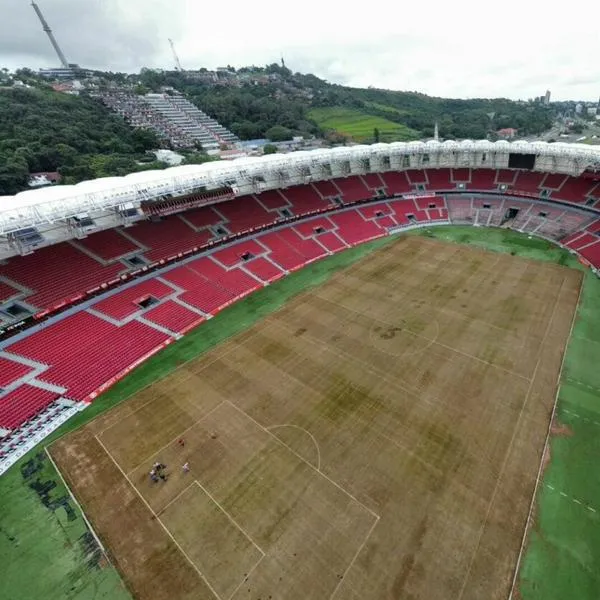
(386, 108)
(40, 551)
(563, 553)
(360, 125)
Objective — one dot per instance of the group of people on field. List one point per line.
(158, 471)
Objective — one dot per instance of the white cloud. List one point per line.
(462, 48)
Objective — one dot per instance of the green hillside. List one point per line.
(43, 130)
(361, 126)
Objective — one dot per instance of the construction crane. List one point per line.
(178, 66)
(49, 33)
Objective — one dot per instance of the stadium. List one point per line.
(359, 355)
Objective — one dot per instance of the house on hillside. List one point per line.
(43, 179)
(507, 134)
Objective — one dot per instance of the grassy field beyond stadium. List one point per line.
(46, 554)
(360, 126)
(378, 435)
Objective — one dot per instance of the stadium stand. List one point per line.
(11, 371)
(353, 189)
(305, 199)
(397, 183)
(108, 245)
(44, 274)
(23, 403)
(174, 317)
(126, 303)
(82, 353)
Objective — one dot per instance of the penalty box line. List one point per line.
(310, 465)
(176, 437)
(173, 372)
(218, 505)
(158, 519)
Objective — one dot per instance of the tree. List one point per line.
(376, 135)
(278, 134)
(269, 149)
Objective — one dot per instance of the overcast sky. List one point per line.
(455, 48)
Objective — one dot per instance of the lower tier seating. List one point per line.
(11, 371)
(22, 404)
(173, 316)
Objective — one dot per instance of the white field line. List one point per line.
(544, 450)
(434, 341)
(237, 525)
(178, 436)
(282, 443)
(241, 583)
(175, 370)
(89, 525)
(177, 496)
(169, 534)
(509, 449)
(312, 437)
(337, 587)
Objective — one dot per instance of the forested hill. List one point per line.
(250, 101)
(42, 130)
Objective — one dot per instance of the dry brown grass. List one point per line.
(377, 438)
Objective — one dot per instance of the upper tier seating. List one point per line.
(167, 237)
(57, 272)
(553, 181)
(42, 273)
(529, 182)
(272, 200)
(482, 180)
(397, 183)
(245, 214)
(577, 190)
(461, 175)
(203, 217)
(327, 189)
(439, 179)
(108, 245)
(353, 189)
(373, 181)
(305, 199)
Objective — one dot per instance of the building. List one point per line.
(547, 98)
(507, 134)
(71, 72)
(43, 179)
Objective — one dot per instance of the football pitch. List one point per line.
(378, 436)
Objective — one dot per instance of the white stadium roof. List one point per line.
(51, 204)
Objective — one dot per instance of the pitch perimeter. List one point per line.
(378, 437)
